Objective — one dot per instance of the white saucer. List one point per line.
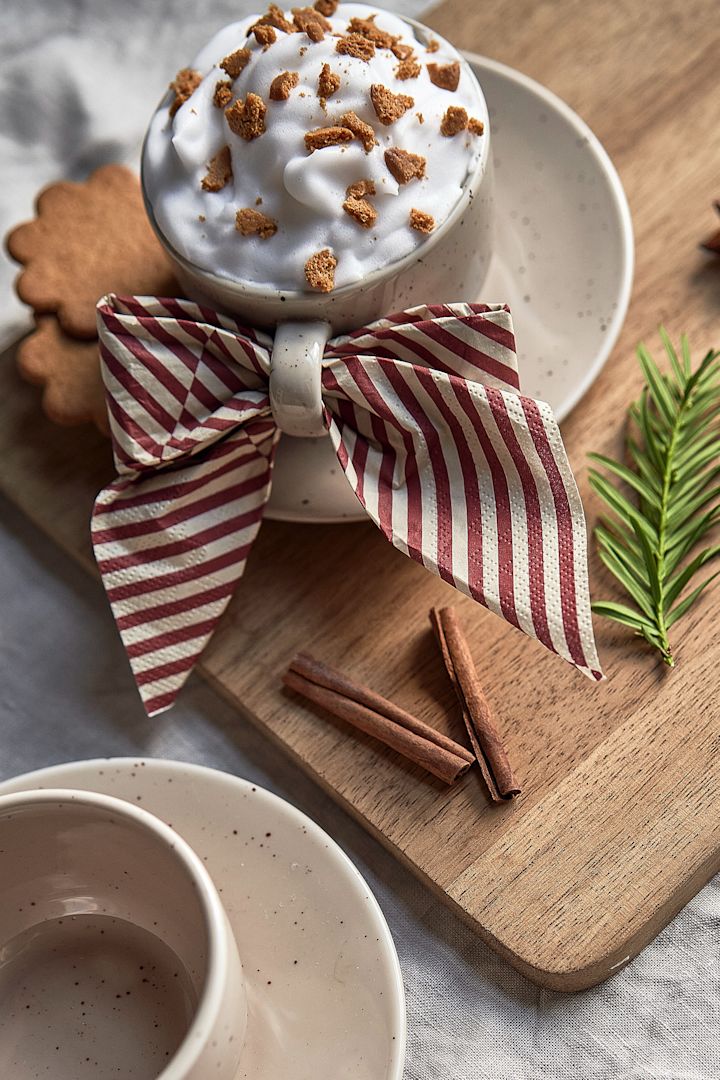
(563, 262)
(324, 983)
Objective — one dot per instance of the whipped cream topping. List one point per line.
(238, 190)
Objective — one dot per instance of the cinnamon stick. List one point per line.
(485, 738)
(373, 714)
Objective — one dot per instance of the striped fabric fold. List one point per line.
(456, 468)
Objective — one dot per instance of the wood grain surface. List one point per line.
(618, 824)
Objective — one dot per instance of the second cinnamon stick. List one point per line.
(376, 716)
(484, 736)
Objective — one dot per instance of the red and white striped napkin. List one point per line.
(455, 466)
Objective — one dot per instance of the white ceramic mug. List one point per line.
(450, 265)
(115, 950)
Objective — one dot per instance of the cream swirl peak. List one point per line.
(304, 149)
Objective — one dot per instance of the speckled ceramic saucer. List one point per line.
(324, 985)
(563, 261)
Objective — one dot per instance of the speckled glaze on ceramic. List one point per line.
(452, 260)
(116, 957)
(323, 982)
(563, 261)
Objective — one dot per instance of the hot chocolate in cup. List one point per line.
(116, 956)
(245, 186)
(322, 167)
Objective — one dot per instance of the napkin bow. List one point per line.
(423, 408)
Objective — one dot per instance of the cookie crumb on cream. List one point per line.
(300, 104)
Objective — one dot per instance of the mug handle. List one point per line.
(295, 372)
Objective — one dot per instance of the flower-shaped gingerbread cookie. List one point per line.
(88, 239)
(69, 371)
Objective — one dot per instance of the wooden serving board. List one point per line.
(618, 825)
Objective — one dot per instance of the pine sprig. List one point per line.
(665, 501)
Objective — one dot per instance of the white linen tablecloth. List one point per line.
(78, 79)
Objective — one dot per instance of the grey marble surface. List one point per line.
(66, 691)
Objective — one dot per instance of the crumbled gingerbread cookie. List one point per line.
(264, 35)
(326, 7)
(219, 171)
(401, 50)
(366, 28)
(446, 76)
(88, 239)
(282, 84)
(407, 69)
(320, 270)
(356, 45)
(403, 165)
(360, 189)
(319, 138)
(273, 17)
(235, 62)
(361, 210)
(247, 118)
(251, 222)
(421, 222)
(360, 130)
(454, 121)
(328, 83)
(69, 372)
(389, 107)
(475, 126)
(183, 86)
(432, 46)
(311, 22)
(223, 94)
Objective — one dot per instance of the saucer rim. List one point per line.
(625, 236)
(288, 814)
(621, 205)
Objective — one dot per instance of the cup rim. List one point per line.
(216, 927)
(252, 290)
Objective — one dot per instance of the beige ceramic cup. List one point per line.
(116, 956)
(450, 265)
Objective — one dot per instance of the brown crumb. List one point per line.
(446, 76)
(223, 94)
(421, 118)
(421, 222)
(247, 118)
(264, 35)
(258, 201)
(311, 22)
(360, 130)
(319, 138)
(273, 17)
(328, 83)
(408, 69)
(401, 50)
(366, 28)
(326, 7)
(251, 222)
(185, 82)
(235, 62)
(475, 126)
(389, 107)
(360, 188)
(320, 270)
(219, 171)
(454, 121)
(201, 217)
(356, 45)
(282, 84)
(361, 210)
(403, 165)
(432, 45)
